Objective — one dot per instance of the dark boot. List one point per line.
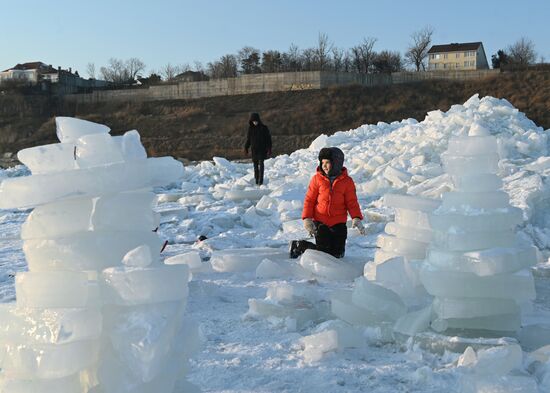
(298, 247)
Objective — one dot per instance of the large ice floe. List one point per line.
(438, 296)
(96, 311)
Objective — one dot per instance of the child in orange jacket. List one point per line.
(330, 197)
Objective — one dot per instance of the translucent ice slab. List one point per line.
(462, 165)
(29, 191)
(121, 212)
(398, 275)
(466, 241)
(191, 259)
(69, 129)
(378, 300)
(456, 200)
(342, 307)
(52, 289)
(56, 157)
(48, 326)
(241, 195)
(484, 262)
(70, 384)
(478, 182)
(458, 284)
(135, 286)
(29, 361)
(58, 219)
(115, 376)
(472, 145)
(142, 336)
(487, 221)
(87, 250)
(447, 308)
(325, 265)
(410, 202)
(302, 313)
(411, 233)
(244, 259)
(97, 149)
(128, 211)
(412, 218)
(337, 336)
(414, 322)
(88, 151)
(405, 247)
(494, 323)
(499, 384)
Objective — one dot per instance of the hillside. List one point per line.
(200, 129)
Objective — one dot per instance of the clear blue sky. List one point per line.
(73, 33)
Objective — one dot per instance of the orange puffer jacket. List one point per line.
(330, 205)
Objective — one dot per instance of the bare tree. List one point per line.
(418, 49)
(90, 70)
(169, 71)
(338, 59)
(133, 67)
(363, 55)
(308, 59)
(522, 52)
(115, 71)
(322, 51)
(199, 67)
(225, 67)
(292, 59)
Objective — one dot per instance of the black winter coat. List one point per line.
(258, 140)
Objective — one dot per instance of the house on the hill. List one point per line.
(457, 56)
(49, 78)
(28, 72)
(191, 76)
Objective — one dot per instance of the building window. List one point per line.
(466, 63)
(445, 55)
(457, 55)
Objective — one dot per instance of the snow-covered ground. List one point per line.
(245, 354)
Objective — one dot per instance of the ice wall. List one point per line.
(476, 267)
(97, 311)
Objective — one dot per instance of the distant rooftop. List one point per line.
(455, 47)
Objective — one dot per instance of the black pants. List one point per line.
(331, 240)
(258, 170)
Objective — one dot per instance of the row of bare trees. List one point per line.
(520, 54)
(324, 56)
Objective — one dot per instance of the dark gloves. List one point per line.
(245, 151)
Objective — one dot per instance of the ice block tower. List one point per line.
(97, 311)
(476, 267)
(403, 247)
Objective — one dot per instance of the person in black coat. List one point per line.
(259, 143)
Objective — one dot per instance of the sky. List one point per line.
(75, 33)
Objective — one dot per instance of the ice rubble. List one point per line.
(97, 310)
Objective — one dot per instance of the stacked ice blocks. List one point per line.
(403, 247)
(390, 283)
(476, 268)
(84, 321)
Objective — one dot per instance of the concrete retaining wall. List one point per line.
(262, 83)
